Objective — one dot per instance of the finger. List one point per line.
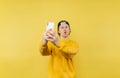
(51, 32)
(50, 39)
(45, 35)
(49, 35)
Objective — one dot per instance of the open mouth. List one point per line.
(65, 32)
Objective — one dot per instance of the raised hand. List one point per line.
(50, 35)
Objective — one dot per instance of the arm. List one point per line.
(46, 47)
(44, 50)
(68, 49)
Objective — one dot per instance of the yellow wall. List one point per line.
(95, 26)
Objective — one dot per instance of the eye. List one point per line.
(66, 27)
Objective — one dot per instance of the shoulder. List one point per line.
(74, 43)
(71, 42)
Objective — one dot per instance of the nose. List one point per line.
(64, 29)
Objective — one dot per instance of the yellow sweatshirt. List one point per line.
(61, 62)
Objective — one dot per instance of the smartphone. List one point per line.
(50, 25)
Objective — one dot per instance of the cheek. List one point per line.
(60, 31)
(68, 30)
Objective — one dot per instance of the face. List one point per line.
(64, 30)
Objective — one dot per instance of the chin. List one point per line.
(65, 36)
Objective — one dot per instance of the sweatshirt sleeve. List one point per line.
(45, 49)
(69, 49)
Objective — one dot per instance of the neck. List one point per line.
(65, 38)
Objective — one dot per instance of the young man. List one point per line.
(61, 50)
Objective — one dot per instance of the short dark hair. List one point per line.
(59, 24)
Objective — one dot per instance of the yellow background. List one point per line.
(95, 26)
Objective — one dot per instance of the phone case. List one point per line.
(50, 25)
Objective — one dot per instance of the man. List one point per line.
(61, 50)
